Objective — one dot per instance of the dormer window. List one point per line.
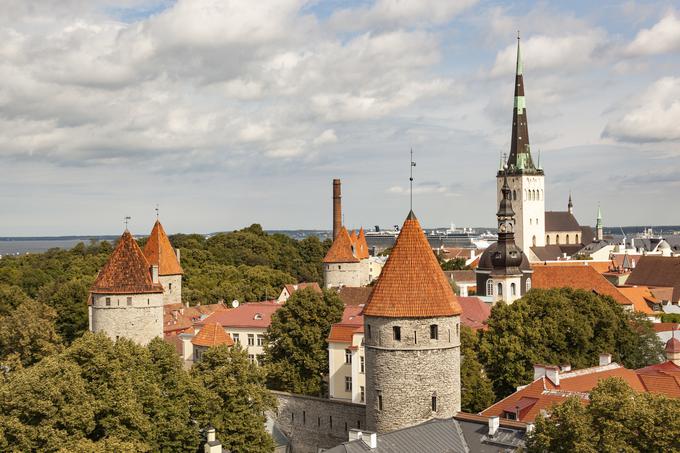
(258, 316)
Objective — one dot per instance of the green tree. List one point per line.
(455, 264)
(476, 390)
(238, 413)
(617, 419)
(11, 296)
(68, 299)
(561, 326)
(296, 351)
(28, 334)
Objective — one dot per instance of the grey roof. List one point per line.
(553, 252)
(560, 221)
(587, 234)
(594, 246)
(441, 436)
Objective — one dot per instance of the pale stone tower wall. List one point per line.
(138, 317)
(528, 202)
(345, 274)
(506, 294)
(172, 288)
(406, 374)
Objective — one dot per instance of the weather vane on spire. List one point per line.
(413, 164)
(157, 211)
(126, 220)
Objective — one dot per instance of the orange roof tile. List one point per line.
(127, 271)
(352, 322)
(159, 251)
(412, 284)
(212, 334)
(291, 288)
(665, 326)
(672, 345)
(577, 277)
(361, 246)
(353, 237)
(341, 250)
(639, 295)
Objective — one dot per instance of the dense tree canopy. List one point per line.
(617, 419)
(100, 395)
(476, 390)
(559, 326)
(296, 352)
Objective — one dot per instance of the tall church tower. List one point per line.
(411, 338)
(525, 179)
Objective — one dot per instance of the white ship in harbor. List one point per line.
(465, 237)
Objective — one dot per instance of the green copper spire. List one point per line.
(598, 223)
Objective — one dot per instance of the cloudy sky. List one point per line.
(229, 112)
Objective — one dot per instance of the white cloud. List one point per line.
(652, 117)
(424, 188)
(326, 137)
(568, 53)
(663, 37)
(398, 13)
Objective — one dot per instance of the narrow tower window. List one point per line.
(434, 403)
(396, 330)
(500, 289)
(513, 289)
(380, 404)
(368, 330)
(434, 332)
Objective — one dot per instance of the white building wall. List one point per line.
(353, 275)
(528, 202)
(138, 317)
(240, 335)
(339, 369)
(506, 295)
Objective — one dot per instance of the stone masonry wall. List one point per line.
(407, 373)
(172, 288)
(141, 321)
(353, 275)
(312, 423)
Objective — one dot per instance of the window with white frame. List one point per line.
(489, 287)
(348, 383)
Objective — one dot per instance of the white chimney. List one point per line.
(565, 367)
(367, 437)
(177, 254)
(212, 445)
(605, 359)
(553, 373)
(494, 424)
(154, 273)
(187, 346)
(539, 371)
(530, 428)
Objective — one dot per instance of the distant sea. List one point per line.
(20, 246)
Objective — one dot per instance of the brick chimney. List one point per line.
(337, 208)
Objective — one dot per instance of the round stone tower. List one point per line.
(411, 338)
(341, 266)
(126, 299)
(159, 252)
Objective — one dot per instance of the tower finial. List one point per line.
(125, 221)
(157, 211)
(413, 164)
(517, 35)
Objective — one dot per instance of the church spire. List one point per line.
(570, 205)
(520, 160)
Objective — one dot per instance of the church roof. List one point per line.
(159, 251)
(212, 334)
(556, 221)
(341, 250)
(127, 271)
(412, 284)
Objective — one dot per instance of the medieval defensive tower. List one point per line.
(126, 299)
(412, 338)
(159, 252)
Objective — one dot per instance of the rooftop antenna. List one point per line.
(126, 220)
(413, 164)
(157, 211)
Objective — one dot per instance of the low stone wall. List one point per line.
(311, 423)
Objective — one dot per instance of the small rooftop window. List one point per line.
(258, 316)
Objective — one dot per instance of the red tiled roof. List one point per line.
(672, 345)
(291, 288)
(640, 296)
(412, 284)
(361, 246)
(159, 251)
(663, 378)
(665, 326)
(352, 322)
(475, 312)
(178, 318)
(341, 249)
(252, 314)
(354, 296)
(212, 334)
(577, 277)
(126, 272)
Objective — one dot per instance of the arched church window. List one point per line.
(513, 289)
(557, 239)
(531, 221)
(514, 195)
(533, 241)
(528, 284)
(489, 287)
(500, 289)
(576, 241)
(567, 239)
(547, 239)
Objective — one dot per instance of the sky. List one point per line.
(231, 112)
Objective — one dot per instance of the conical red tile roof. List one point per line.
(159, 251)
(212, 334)
(412, 284)
(673, 345)
(361, 246)
(127, 271)
(341, 250)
